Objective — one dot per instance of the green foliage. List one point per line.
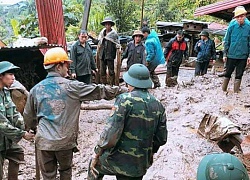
(14, 24)
(124, 13)
(28, 27)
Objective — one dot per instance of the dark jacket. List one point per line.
(83, 59)
(107, 44)
(206, 51)
(175, 50)
(135, 54)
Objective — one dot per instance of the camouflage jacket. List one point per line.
(134, 131)
(53, 105)
(11, 121)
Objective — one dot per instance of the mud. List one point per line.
(185, 105)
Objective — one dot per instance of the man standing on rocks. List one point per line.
(53, 109)
(108, 43)
(236, 48)
(134, 131)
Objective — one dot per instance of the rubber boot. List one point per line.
(237, 83)
(13, 170)
(225, 84)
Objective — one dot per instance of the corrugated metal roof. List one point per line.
(51, 22)
(222, 9)
(7, 48)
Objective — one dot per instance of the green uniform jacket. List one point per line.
(11, 121)
(134, 131)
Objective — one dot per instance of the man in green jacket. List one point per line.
(237, 48)
(134, 131)
(83, 59)
(11, 124)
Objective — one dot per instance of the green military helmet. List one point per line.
(221, 166)
(7, 66)
(138, 76)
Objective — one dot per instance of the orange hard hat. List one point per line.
(55, 55)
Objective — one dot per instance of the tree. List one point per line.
(125, 14)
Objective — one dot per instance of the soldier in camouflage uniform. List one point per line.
(134, 131)
(11, 124)
(53, 106)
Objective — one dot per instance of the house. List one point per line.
(223, 9)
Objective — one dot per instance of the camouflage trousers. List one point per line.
(106, 170)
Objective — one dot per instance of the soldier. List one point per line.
(135, 50)
(11, 124)
(53, 108)
(108, 42)
(134, 131)
(221, 166)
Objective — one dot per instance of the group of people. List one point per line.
(136, 127)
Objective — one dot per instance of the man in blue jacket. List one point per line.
(205, 48)
(237, 48)
(154, 52)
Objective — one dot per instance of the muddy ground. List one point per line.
(185, 105)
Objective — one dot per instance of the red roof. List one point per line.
(223, 9)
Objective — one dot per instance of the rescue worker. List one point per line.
(53, 109)
(174, 52)
(135, 50)
(134, 131)
(83, 59)
(154, 53)
(11, 124)
(236, 48)
(108, 43)
(205, 48)
(221, 166)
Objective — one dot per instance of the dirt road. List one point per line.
(186, 105)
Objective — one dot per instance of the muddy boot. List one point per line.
(13, 170)
(104, 80)
(168, 80)
(237, 83)
(225, 84)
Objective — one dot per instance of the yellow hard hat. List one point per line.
(239, 10)
(55, 55)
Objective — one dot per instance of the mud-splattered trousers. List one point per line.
(11, 132)
(134, 131)
(53, 106)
